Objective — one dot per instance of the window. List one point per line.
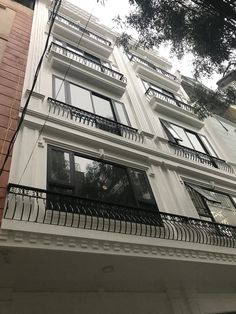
(101, 63)
(155, 90)
(158, 89)
(187, 138)
(27, 3)
(90, 101)
(213, 205)
(93, 179)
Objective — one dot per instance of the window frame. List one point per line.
(175, 140)
(69, 101)
(204, 201)
(159, 89)
(170, 94)
(84, 53)
(72, 186)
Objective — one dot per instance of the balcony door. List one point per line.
(90, 101)
(97, 180)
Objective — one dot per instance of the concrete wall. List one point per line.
(172, 302)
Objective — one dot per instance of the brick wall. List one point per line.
(15, 29)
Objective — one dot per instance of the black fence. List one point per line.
(41, 206)
(93, 120)
(172, 101)
(135, 58)
(72, 24)
(200, 157)
(86, 61)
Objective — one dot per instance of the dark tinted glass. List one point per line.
(142, 190)
(102, 181)
(59, 169)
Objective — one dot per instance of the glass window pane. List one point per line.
(224, 201)
(121, 113)
(195, 142)
(222, 215)
(171, 131)
(146, 85)
(198, 202)
(208, 146)
(59, 201)
(184, 139)
(60, 167)
(142, 190)
(80, 98)
(102, 107)
(206, 194)
(59, 91)
(102, 181)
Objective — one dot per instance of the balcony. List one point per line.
(199, 157)
(90, 119)
(32, 205)
(155, 73)
(73, 31)
(172, 107)
(64, 59)
(165, 99)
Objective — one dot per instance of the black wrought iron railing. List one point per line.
(135, 58)
(72, 24)
(41, 206)
(75, 56)
(153, 92)
(200, 157)
(88, 118)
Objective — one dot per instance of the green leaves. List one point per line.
(207, 102)
(206, 28)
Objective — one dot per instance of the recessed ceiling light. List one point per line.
(108, 269)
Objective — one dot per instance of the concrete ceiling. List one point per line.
(42, 270)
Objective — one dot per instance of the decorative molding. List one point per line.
(152, 74)
(173, 111)
(35, 94)
(172, 250)
(136, 150)
(147, 134)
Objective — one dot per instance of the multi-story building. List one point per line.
(120, 198)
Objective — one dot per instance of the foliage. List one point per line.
(207, 102)
(205, 28)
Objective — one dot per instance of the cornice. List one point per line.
(148, 248)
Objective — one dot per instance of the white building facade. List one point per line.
(121, 200)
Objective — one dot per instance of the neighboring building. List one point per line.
(15, 29)
(229, 80)
(222, 128)
(120, 198)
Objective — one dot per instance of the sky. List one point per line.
(112, 8)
